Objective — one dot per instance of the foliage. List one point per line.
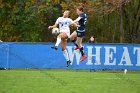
(111, 21)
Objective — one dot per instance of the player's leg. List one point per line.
(73, 35)
(79, 43)
(65, 53)
(59, 37)
(73, 39)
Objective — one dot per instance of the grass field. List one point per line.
(68, 81)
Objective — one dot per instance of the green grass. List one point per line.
(68, 81)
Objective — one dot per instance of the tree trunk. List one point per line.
(113, 40)
(121, 26)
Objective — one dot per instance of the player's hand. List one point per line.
(49, 27)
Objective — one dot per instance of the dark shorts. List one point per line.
(80, 34)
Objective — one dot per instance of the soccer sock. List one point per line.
(58, 41)
(66, 55)
(74, 41)
(81, 50)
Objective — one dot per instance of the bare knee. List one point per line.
(63, 48)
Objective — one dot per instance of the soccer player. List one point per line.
(78, 35)
(64, 22)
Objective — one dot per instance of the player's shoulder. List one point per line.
(60, 17)
(69, 19)
(83, 15)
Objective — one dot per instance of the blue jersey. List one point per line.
(82, 23)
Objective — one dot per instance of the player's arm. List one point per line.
(53, 26)
(72, 23)
(76, 20)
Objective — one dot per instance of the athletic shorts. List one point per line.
(67, 32)
(80, 34)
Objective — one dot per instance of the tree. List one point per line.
(111, 21)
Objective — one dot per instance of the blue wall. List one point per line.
(40, 55)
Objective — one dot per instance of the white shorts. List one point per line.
(67, 32)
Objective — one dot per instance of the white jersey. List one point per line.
(64, 24)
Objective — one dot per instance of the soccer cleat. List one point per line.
(83, 58)
(68, 63)
(54, 47)
(76, 48)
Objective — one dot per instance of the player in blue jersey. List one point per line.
(78, 35)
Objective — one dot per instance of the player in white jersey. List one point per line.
(64, 22)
